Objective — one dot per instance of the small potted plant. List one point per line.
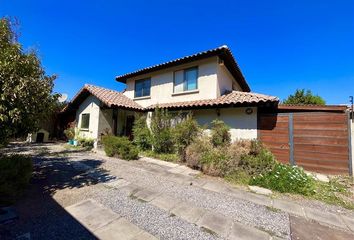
(70, 135)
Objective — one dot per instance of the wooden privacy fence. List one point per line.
(317, 141)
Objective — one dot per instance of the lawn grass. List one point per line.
(336, 192)
(168, 157)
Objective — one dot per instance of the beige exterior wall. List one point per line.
(225, 81)
(91, 105)
(162, 84)
(105, 124)
(242, 125)
(101, 120)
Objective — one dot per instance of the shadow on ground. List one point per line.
(39, 214)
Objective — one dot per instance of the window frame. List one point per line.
(185, 85)
(142, 80)
(88, 123)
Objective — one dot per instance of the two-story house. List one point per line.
(209, 84)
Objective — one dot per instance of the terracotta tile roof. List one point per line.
(118, 99)
(107, 96)
(222, 52)
(234, 97)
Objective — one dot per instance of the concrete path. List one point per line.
(104, 223)
(308, 230)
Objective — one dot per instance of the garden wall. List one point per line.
(317, 139)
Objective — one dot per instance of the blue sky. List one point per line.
(279, 45)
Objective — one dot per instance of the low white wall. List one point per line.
(242, 125)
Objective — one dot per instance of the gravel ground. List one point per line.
(66, 185)
(150, 218)
(57, 184)
(240, 210)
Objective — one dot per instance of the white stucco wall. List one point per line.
(105, 124)
(242, 125)
(225, 81)
(162, 84)
(90, 105)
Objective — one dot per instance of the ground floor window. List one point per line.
(85, 121)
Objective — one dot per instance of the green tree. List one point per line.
(25, 90)
(304, 97)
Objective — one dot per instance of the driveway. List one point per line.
(84, 195)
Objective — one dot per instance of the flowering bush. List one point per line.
(286, 178)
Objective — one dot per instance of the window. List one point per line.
(185, 80)
(85, 120)
(142, 87)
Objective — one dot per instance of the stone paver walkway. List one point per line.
(104, 223)
(218, 223)
(337, 220)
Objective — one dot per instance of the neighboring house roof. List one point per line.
(223, 52)
(109, 97)
(231, 98)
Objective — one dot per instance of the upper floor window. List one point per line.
(85, 121)
(186, 80)
(142, 87)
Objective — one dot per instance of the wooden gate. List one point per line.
(317, 141)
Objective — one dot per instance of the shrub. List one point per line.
(215, 161)
(286, 178)
(86, 142)
(184, 134)
(237, 150)
(142, 134)
(128, 152)
(120, 146)
(16, 171)
(261, 163)
(195, 151)
(220, 135)
(256, 147)
(161, 131)
(69, 133)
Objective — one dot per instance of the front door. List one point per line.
(129, 127)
